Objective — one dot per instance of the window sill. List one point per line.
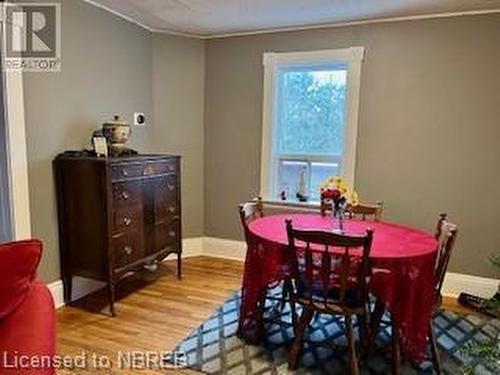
(291, 204)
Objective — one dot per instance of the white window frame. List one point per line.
(351, 57)
(13, 97)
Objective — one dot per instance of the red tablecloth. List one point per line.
(407, 254)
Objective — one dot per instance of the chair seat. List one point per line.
(353, 297)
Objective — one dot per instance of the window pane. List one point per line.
(289, 177)
(311, 111)
(319, 173)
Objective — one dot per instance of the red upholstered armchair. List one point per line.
(27, 314)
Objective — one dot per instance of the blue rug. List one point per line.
(214, 348)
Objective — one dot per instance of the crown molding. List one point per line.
(351, 23)
(118, 14)
(140, 24)
(291, 28)
(180, 33)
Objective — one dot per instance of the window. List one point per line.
(310, 120)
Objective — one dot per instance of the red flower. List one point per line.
(333, 194)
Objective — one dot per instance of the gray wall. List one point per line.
(428, 125)
(428, 118)
(178, 102)
(107, 68)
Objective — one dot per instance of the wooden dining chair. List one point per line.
(250, 211)
(362, 210)
(446, 233)
(328, 278)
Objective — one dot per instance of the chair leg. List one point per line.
(260, 316)
(364, 331)
(436, 360)
(396, 354)
(287, 291)
(304, 321)
(283, 298)
(353, 360)
(293, 309)
(375, 320)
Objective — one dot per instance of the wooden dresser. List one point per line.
(117, 216)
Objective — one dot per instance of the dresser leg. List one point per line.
(68, 289)
(111, 297)
(179, 265)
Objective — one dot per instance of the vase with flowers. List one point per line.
(334, 192)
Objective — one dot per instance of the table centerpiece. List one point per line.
(335, 192)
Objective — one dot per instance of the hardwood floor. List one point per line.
(155, 312)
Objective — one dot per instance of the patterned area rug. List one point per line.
(214, 348)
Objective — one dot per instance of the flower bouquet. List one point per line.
(335, 192)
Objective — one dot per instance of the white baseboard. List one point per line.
(454, 283)
(227, 249)
(192, 247)
(57, 290)
(81, 287)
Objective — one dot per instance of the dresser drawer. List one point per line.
(129, 217)
(122, 171)
(165, 188)
(167, 235)
(166, 211)
(152, 168)
(127, 247)
(127, 193)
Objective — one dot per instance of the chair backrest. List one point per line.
(326, 259)
(361, 210)
(364, 211)
(446, 234)
(250, 211)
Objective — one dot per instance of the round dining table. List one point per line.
(403, 260)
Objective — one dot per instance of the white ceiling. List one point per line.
(206, 18)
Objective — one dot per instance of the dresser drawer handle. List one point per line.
(125, 195)
(127, 221)
(171, 209)
(124, 172)
(148, 170)
(171, 167)
(171, 233)
(170, 187)
(127, 250)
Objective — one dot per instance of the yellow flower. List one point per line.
(354, 198)
(337, 182)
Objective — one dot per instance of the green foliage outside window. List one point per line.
(312, 112)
